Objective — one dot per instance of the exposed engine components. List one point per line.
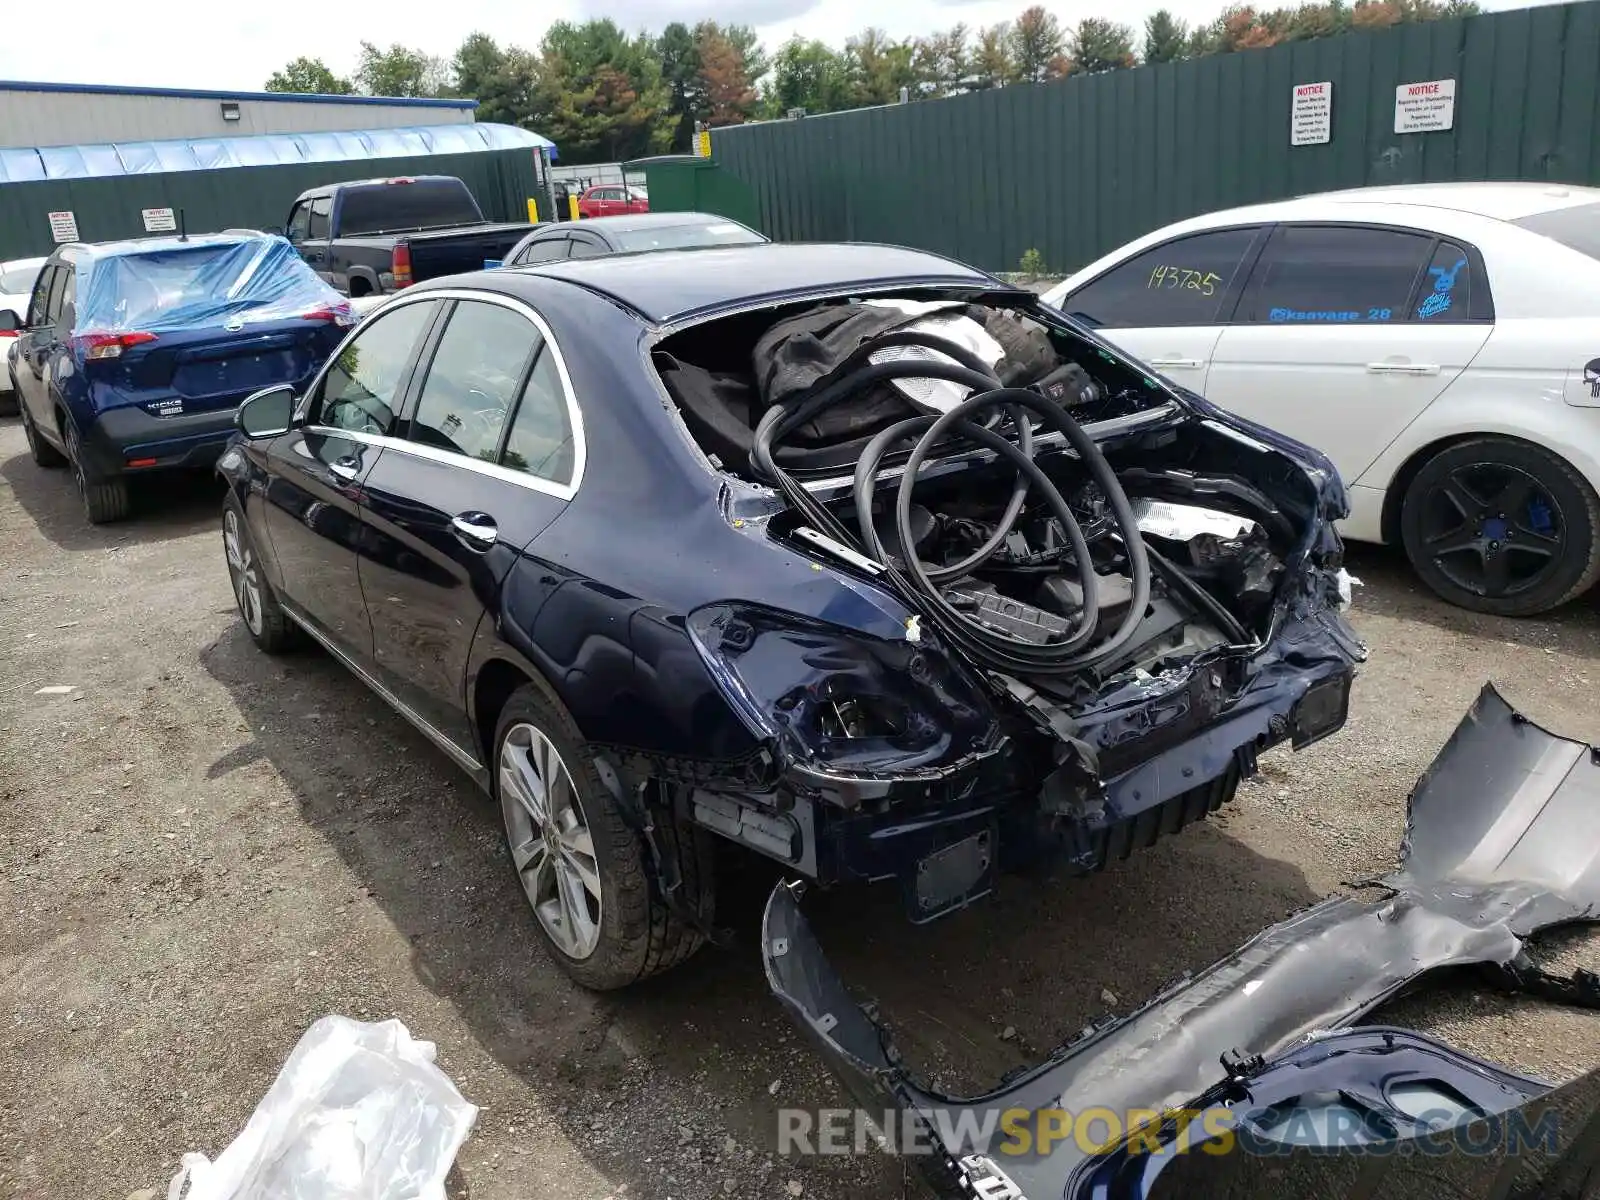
(973, 491)
(1004, 633)
(1028, 352)
(947, 322)
(1231, 552)
(1063, 594)
(1185, 522)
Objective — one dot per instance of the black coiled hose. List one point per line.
(918, 583)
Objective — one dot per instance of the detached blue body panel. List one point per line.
(1251, 1078)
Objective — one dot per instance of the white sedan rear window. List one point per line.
(18, 281)
(1577, 228)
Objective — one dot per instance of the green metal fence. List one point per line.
(1075, 168)
(247, 197)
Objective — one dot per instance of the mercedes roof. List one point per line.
(663, 288)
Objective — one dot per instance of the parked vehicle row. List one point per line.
(373, 237)
(134, 356)
(609, 235)
(860, 560)
(613, 200)
(632, 234)
(1440, 343)
(1410, 333)
(146, 375)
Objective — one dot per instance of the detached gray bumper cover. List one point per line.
(1502, 840)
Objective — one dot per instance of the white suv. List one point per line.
(1439, 342)
(16, 287)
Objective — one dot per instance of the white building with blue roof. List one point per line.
(56, 114)
(90, 162)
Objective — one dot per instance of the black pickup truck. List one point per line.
(374, 236)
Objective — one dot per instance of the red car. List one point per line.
(612, 200)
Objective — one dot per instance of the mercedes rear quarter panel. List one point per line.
(643, 542)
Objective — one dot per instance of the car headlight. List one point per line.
(839, 699)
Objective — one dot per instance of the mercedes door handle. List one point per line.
(1191, 363)
(476, 530)
(1400, 368)
(346, 468)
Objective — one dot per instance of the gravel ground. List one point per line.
(203, 851)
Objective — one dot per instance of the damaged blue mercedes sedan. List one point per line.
(852, 556)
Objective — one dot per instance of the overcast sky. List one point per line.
(203, 44)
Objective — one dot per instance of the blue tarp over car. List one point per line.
(202, 281)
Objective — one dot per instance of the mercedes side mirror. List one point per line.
(267, 413)
(9, 321)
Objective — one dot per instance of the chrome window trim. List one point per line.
(533, 483)
(537, 483)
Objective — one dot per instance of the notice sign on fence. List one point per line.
(1311, 114)
(1425, 107)
(64, 227)
(159, 220)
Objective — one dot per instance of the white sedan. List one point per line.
(1439, 342)
(16, 287)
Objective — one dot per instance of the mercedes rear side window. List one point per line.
(540, 441)
(473, 380)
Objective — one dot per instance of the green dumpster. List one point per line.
(688, 183)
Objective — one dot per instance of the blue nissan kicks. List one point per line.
(134, 356)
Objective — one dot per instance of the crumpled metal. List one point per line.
(1502, 841)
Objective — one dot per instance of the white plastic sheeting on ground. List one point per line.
(359, 1112)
